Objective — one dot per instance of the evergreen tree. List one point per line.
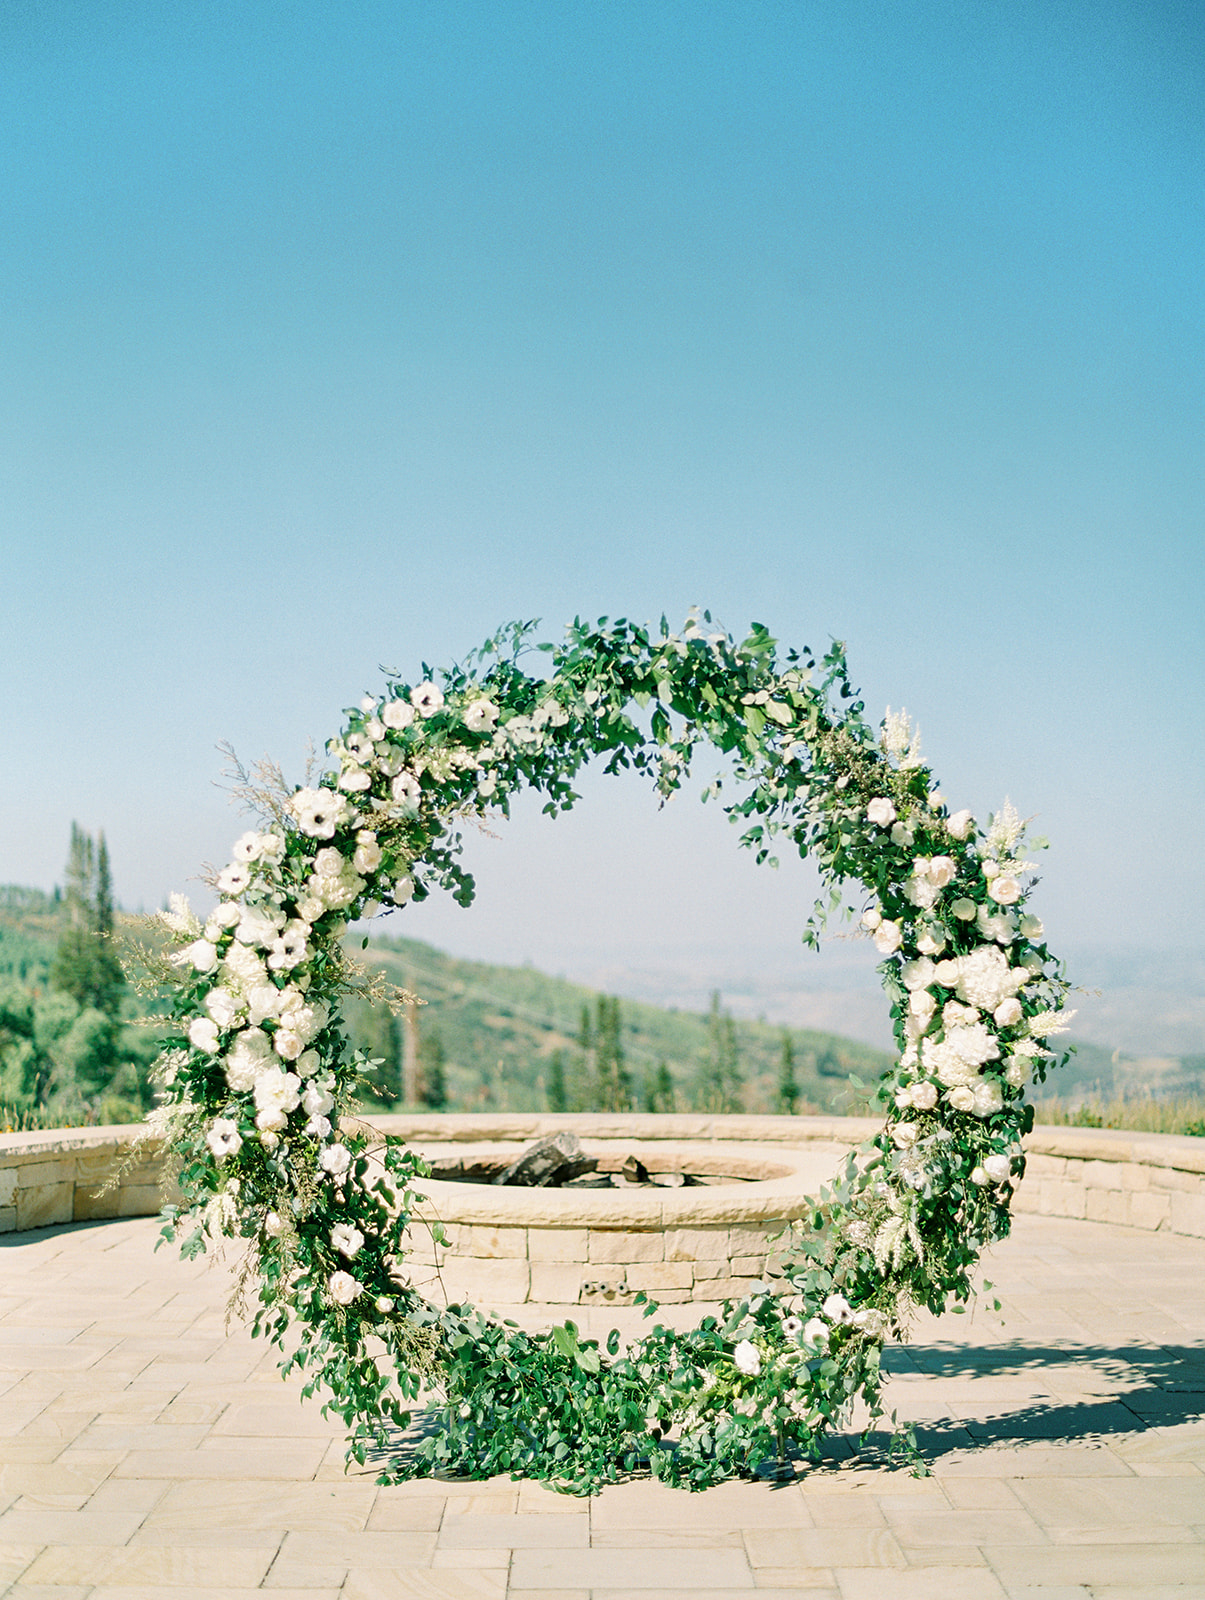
(719, 1082)
(555, 1092)
(788, 1086)
(659, 1090)
(433, 1080)
(85, 965)
(614, 1085)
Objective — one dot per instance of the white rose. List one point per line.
(226, 914)
(881, 812)
(964, 909)
(869, 1321)
(402, 890)
(274, 1224)
(202, 955)
(335, 1159)
(1007, 1013)
(998, 925)
(932, 940)
(923, 1095)
(946, 973)
(1004, 890)
(904, 1134)
(941, 870)
(343, 1288)
(961, 1098)
(354, 780)
(263, 1001)
(397, 714)
(347, 1240)
(317, 1100)
(979, 1177)
(486, 786)
(988, 1097)
(961, 825)
(747, 1358)
(368, 852)
(203, 1034)
(272, 1119)
(1017, 1073)
(223, 1007)
(426, 699)
(258, 925)
(307, 1064)
(1031, 926)
(871, 919)
(888, 937)
(998, 1168)
(903, 833)
(922, 1004)
(918, 974)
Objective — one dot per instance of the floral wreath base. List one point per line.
(259, 1081)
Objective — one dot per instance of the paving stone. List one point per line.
(194, 1567)
(669, 1571)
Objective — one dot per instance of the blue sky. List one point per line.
(333, 336)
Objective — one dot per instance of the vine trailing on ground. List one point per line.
(259, 1080)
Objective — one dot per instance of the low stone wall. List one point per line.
(1154, 1181)
(1151, 1181)
(78, 1175)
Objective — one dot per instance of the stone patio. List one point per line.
(145, 1451)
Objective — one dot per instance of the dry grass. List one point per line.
(1139, 1114)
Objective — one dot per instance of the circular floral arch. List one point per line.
(259, 1080)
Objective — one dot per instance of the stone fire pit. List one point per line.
(595, 1246)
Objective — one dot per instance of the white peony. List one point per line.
(347, 1240)
(250, 1053)
(747, 1358)
(888, 937)
(259, 925)
(223, 1007)
(921, 892)
(941, 870)
(961, 825)
(975, 1044)
(984, 978)
(343, 1288)
(881, 812)
(1008, 1013)
(998, 925)
(1017, 1073)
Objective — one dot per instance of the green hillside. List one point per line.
(500, 1027)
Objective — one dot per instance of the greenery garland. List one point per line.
(259, 1080)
